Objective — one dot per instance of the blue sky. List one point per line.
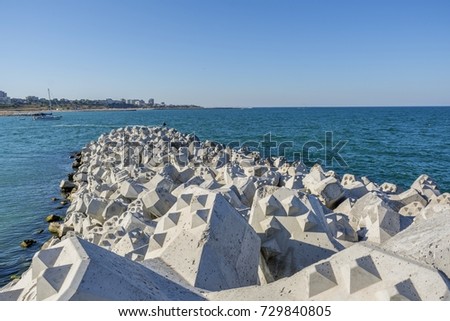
(229, 52)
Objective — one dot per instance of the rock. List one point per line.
(27, 243)
(353, 188)
(53, 218)
(315, 175)
(397, 201)
(77, 221)
(345, 207)
(54, 227)
(442, 199)
(327, 188)
(426, 186)
(374, 216)
(76, 164)
(114, 208)
(51, 242)
(438, 204)
(425, 241)
(157, 202)
(67, 186)
(372, 187)
(161, 182)
(65, 229)
(348, 179)
(246, 188)
(411, 209)
(329, 191)
(75, 155)
(295, 182)
(70, 177)
(75, 270)
(102, 209)
(132, 245)
(293, 229)
(388, 188)
(206, 241)
(361, 272)
(96, 207)
(340, 228)
(185, 175)
(131, 221)
(130, 189)
(80, 178)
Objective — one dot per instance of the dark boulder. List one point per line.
(27, 243)
(53, 218)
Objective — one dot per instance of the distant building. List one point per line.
(138, 102)
(151, 102)
(17, 101)
(4, 99)
(32, 99)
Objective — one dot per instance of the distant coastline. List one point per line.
(28, 110)
(31, 109)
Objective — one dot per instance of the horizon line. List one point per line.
(332, 106)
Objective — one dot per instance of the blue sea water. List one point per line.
(385, 144)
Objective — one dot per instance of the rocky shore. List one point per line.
(156, 214)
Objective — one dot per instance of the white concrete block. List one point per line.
(361, 272)
(208, 243)
(157, 202)
(76, 270)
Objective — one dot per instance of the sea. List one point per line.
(386, 144)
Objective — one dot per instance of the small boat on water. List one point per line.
(47, 116)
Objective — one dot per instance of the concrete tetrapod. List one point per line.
(206, 241)
(361, 272)
(78, 270)
(427, 241)
(294, 230)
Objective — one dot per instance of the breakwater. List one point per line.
(212, 222)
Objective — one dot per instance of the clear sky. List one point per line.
(229, 52)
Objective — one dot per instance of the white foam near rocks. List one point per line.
(156, 214)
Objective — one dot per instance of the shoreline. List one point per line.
(164, 209)
(28, 112)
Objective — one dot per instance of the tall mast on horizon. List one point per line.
(49, 99)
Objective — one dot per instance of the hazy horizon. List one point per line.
(230, 53)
